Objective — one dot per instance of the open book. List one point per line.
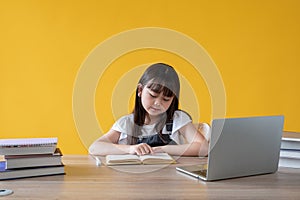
(149, 159)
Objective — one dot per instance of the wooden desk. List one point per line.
(84, 180)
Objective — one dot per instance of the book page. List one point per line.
(157, 158)
(291, 139)
(122, 159)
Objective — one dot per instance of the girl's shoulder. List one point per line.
(180, 119)
(123, 123)
(126, 118)
(180, 114)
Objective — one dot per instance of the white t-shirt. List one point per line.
(125, 125)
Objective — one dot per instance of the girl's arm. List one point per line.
(197, 144)
(108, 144)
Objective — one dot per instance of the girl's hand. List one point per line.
(140, 149)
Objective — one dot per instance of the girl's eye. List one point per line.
(152, 95)
(167, 99)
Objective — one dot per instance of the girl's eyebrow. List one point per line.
(153, 91)
(158, 92)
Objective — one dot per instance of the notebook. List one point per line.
(24, 146)
(240, 147)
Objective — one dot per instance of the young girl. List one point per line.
(156, 124)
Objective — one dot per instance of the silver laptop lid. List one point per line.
(244, 146)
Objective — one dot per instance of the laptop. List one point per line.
(240, 147)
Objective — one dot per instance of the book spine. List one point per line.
(2, 165)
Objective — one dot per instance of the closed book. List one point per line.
(31, 172)
(23, 146)
(289, 162)
(290, 140)
(287, 153)
(33, 160)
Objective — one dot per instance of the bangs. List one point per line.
(158, 88)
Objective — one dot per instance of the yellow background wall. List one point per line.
(255, 45)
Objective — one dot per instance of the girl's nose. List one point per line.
(157, 103)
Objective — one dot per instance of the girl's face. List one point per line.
(154, 103)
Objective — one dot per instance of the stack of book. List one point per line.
(290, 150)
(29, 157)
